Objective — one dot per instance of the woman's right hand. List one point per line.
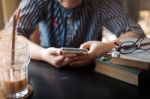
(54, 57)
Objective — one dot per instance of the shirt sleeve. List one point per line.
(31, 12)
(116, 19)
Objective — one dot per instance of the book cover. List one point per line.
(130, 75)
(143, 56)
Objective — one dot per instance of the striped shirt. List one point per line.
(61, 27)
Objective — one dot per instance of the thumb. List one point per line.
(54, 51)
(86, 45)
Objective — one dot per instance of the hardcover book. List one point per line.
(130, 63)
(143, 56)
(130, 75)
(141, 53)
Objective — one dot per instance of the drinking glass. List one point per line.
(14, 73)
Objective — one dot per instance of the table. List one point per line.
(78, 83)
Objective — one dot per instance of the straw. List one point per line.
(15, 20)
(13, 40)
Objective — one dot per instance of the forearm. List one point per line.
(35, 50)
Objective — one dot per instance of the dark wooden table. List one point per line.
(80, 83)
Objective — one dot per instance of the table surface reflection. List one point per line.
(78, 83)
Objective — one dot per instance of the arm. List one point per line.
(117, 21)
(97, 48)
(31, 13)
(50, 55)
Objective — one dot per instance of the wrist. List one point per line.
(105, 48)
(111, 45)
(115, 43)
(41, 54)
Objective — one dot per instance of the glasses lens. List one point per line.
(145, 44)
(127, 47)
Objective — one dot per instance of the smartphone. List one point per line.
(68, 50)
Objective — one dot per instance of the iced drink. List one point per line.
(14, 75)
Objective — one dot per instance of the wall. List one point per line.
(1, 17)
(144, 4)
(7, 9)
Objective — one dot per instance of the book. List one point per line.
(139, 54)
(130, 63)
(143, 56)
(130, 75)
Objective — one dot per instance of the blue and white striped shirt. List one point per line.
(61, 27)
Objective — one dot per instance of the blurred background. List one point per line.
(7, 7)
(138, 10)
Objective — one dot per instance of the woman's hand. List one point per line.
(54, 57)
(96, 48)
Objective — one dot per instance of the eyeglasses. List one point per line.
(134, 45)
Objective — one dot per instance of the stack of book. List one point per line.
(130, 68)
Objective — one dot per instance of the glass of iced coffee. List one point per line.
(14, 74)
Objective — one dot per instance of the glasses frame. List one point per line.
(136, 45)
